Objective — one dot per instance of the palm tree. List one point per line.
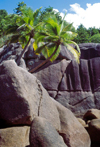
(23, 28)
(51, 37)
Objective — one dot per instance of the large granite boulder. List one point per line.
(70, 130)
(22, 98)
(15, 136)
(49, 137)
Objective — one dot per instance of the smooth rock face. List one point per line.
(71, 130)
(89, 50)
(14, 137)
(69, 83)
(43, 134)
(21, 97)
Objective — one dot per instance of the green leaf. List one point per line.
(62, 25)
(77, 47)
(39, 49)
(67, 28)
(51, 49)
(73, 51)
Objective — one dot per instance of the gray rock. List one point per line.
(30, 53)
(14, 137)
(51, 75)
(22, 97)
(78, 102)
(71, 130)
(65, 54)
(43, 134)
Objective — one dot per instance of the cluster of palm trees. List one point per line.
(48, 33)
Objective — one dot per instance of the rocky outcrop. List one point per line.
(74, 86)
(23, 99)
(71, 84)
(89, 50)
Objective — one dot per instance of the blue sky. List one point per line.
(78, 11)
(9, 5)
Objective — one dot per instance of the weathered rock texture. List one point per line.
(14, 137)
(77, 87)
(49, 137)
(22, 98)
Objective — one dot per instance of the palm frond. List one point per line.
(39, 49)
(73, 51)
(77, 47)
(62, 24)
(67, 27)
(50, 49)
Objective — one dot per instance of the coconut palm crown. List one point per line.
(50, 38)
(23, 28)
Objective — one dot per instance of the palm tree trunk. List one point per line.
(18, 61)
(44, 62)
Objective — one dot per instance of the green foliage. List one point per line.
(3, 13)
(50, 11)
(22, 27)
(54, 34)
(20, 6)
(83, 36)
(95, 38)
(93, 31)
(47, 27)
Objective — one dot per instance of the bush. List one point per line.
(95, 38)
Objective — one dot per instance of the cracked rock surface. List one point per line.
(76, 86)
(22, 100)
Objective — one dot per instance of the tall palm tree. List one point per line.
(51, 37)
(23, 28)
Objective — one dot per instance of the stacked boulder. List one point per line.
(30, 117)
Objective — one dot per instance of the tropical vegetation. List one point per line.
(46, 27)
(85, 35)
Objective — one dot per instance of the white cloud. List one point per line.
(55, 10)
(64, 10)
(88, 5)
(89, 17)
